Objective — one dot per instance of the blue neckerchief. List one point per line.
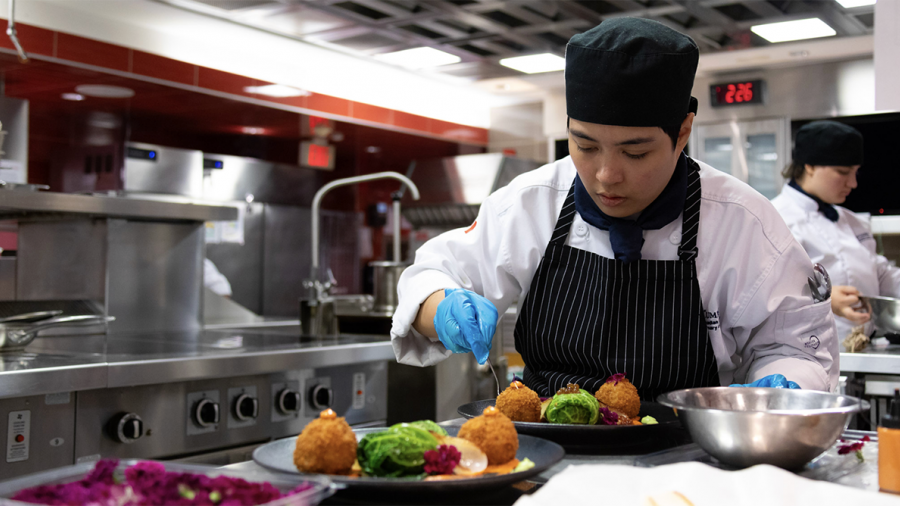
(627, 236)
(827, 209)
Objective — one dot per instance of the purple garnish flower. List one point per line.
(442, 460)
(616, 378)
(608, 417)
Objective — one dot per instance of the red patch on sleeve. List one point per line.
(472, 227)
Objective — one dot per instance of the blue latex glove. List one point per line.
(466, 321)
(771, 381)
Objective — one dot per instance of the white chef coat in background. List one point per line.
(844, 247)
(215, 280)
(752, 273)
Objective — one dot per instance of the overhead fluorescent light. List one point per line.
(849, 4)
(277, 90)
(75, 97)
(419, 58)
(533, 64)
(800, 29)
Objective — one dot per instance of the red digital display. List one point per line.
(737, 93)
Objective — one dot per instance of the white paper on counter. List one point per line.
(702, 485)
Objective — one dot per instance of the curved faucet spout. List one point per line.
(317, 289)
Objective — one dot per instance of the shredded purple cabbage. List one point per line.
(608, 417)
(442, 460)
(148, 483)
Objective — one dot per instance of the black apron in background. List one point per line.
(587, 317)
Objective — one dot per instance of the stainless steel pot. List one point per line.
(885, 312)
(17, 335)
(386, 276)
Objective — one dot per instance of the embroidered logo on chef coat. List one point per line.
(865, 236)
(813, 342)
(472, 227)
(712, 320)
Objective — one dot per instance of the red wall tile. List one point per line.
(223, 81)
(372, 113)
(33, 39)
(328, 104)
(92, 52)
(151, 65)
(411, 121)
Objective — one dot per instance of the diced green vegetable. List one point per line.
(649, 420)
(185, 492)
(397, 451)
(581, 408)
(215, 496)
(524, 465)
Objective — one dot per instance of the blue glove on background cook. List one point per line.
(466, 321)
(771, 381)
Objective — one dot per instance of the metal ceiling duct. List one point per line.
(453, 188)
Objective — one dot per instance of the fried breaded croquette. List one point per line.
(327, 445)
(494, 433)
(619, 395)
(520, 403)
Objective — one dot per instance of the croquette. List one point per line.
(520, 403)
(494, 433)
(327, 445)
(619, 395)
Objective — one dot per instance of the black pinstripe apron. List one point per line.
(587, 317)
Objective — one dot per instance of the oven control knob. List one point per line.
(126, 427)
(288, 401)
(246, 407)
(206, 413)
(321, 397)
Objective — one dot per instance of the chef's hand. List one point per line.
(845, 302)
(770, 381)
(466, 321)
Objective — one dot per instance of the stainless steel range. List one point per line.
(157, 385)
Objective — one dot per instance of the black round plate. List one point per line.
(603, 439)
(279, 456)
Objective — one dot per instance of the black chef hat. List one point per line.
(828, 143)
(631, 72)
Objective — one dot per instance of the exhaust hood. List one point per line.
(453, 188)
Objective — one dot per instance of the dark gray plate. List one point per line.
(603, 439)
(279, 456)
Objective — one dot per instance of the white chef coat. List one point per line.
(844, 247)
(215, 280)
(752, 274)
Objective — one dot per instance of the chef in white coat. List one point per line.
(826, 158)
(627, 256)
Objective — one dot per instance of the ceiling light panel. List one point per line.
(536, 63)
(419, 58)
(800, 29)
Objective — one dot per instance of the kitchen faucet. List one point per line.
(318, 290)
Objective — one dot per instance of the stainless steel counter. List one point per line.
(73, 363)
(880, 360)
(13, 203)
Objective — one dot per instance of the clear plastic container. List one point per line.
(322, 487)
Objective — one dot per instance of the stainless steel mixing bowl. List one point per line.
(885, 312)
(743, 426)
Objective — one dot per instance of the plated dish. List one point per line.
(414, 457)
(612, 420)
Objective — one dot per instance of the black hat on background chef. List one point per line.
(631, 72)
(828, 143)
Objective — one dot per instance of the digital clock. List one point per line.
(737, 93)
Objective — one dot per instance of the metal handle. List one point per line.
(30, 317)
(24, 330)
